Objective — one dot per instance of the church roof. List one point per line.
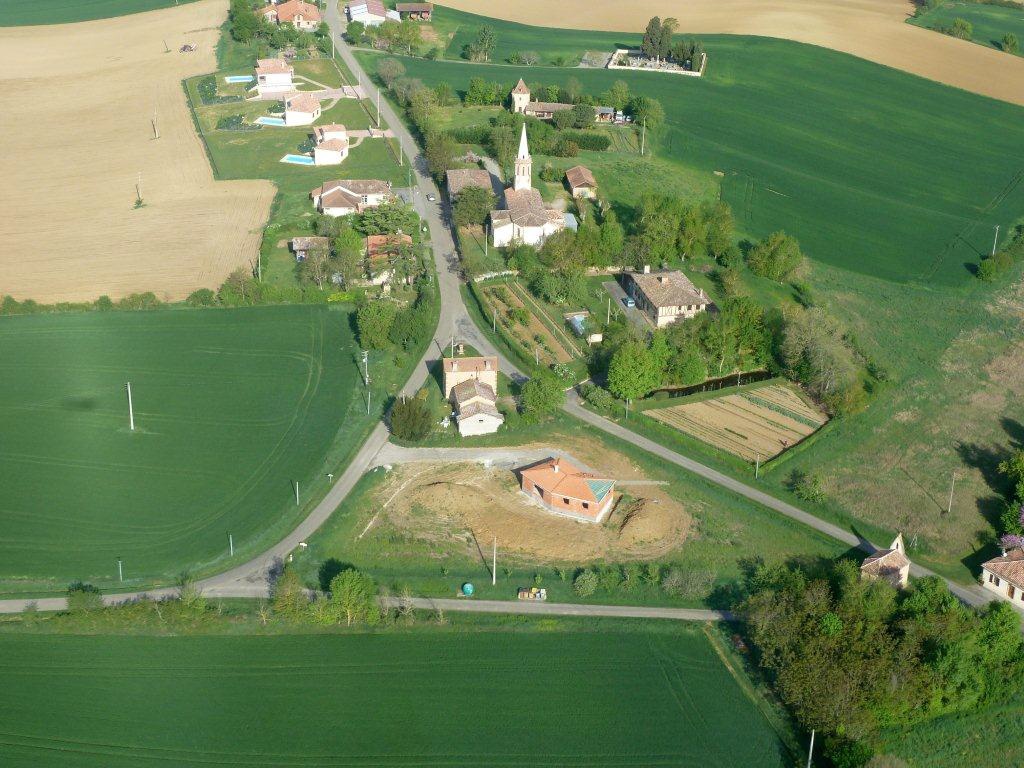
(521, 87)
(524, 146)
(526, 207)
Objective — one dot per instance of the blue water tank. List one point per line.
(467, 589)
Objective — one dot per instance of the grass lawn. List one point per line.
(989, 22)
(498, 698)
(231, 406)
(14, 13)
(829, 147)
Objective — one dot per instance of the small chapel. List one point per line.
(524, 218)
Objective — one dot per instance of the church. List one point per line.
(524, 219)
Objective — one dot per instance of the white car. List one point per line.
(431, 197)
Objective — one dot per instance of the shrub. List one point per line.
(610, 578)
(962, 29)
(807, 487)
(776, 257)
(84, 597)
(585, 583)
(1009, 43)
(147, 300)
(592, 140)
(204, 297)
(551, 174)
(104, 303)
(389, 70)
(565, 148)
(598, 397)
(542, 395)
(411, 419)
(995, 266)
(373, 322)
(236, 123)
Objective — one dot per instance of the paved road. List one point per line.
(562, 609)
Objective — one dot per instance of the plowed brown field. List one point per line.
(872, 29)
(76, 133)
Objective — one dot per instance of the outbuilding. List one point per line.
(415, 11)
(581, 182)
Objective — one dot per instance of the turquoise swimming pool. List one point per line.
(270, 120)
(298, 160)
(238, 79)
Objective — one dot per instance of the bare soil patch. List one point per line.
(871, 29)
(77, 133)
(459, 505)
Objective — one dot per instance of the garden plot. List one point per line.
(761, 422)
(523, 325)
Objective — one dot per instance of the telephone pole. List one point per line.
(494, 563)
(995, 240)
(952, 485)
(131, 409)
(378, 108)
(643, 136)
(810, 752)
(366, 368)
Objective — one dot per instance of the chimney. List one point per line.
(487, 364)
(455, 364)
(662, 279)
(647, 269)
(554, 466)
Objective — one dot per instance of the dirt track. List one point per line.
(78, 103)
(872, 29)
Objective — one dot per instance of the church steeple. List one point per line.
(524, 165)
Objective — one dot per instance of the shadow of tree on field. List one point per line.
(330, 568)
(986, 459)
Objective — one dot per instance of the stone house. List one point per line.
(665, 296)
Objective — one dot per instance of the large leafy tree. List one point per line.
(373, 322)
(354, 598)
(651, 43)
(777, 257)
(632, 372)
(473, 206)
(542, 395)
(411, 419)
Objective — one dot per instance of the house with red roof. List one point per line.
(563, 488)
(891, 564)
(1004, 577)
(299, 14)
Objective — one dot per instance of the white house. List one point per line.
(460, 369)
(371, 13)
(524, 219)
(666, 296)
(345, 196)
(301, 109)
(331, 144)
(274, 76)
(1004, 577)
(476, 413)
(299, 14)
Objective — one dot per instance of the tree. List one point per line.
(317, 267)
(354, 32)
(617, 96)
(409, 35)
(668, 26)
(411, 419)
(962, 29)
(84, 597)
(563, 119)
(542, 395)
(585, 583)
(482, 46)
(473, 206)
(440, 153)
(288, 597)
(389, 70)
(583, 116)
(387, 219)
(812, 351)
(354, 597)
(444, 95)
(1009, 43)
(646, 110)
(480, 92)
(245, 24)
(613, 238)
(777, 257)
(688, 367)
(347, 246)
(652, 38)
(632, 372)
(373, 322)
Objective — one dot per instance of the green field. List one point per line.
(16, 13)
(605, 698)
(872, 169)
(989, 22)
(231, 407)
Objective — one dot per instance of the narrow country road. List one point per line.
(561, 609)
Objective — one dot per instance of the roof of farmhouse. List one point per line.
(669, 288)
(289, 10)
(303, 102)
(470, 388)
(470, 364)
(308, 243)
(521, 87)
(580, 176)
(884, 561)
(414, 7)
(320, 131)
(1010, 567)
(561, 477)
(460, 178)
(273, 66)
(547, 106)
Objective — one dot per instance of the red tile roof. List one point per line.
(562, 478)
(470, 364)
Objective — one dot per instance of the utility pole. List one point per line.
(120, 571)
(952, 485)
(156, 128)
(494, 563)
(608, 317)
(296, 493)
(138, 187)
(757, 466)
(536, 355)
(401, 151)
(643, 136)
(366, 368)
(995, 240)
(810, 752)
(231, 544)
(131, 409)
(494, 320)
(378, 108)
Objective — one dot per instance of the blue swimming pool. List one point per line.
(238, 79)
(270, 120)
(298, 159)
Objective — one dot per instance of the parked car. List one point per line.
(628, 301)
(431, 197)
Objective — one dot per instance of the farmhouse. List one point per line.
(475, 409)
(890, 564)
(460, 178)
(331, 144)
(415, 11)
(301, 109)
(545, 110)
(666, 296)
(370, 13)
(565, 489)
(345, 196)
(524, 219)
(1004, 576)
(299, 14)
(274, 76)
(460, 369)
(581, 182)
(301, 246)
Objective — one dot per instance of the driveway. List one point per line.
(619, 295)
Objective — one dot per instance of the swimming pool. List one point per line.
(270, 120)
(298, 160)
(238, 79)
